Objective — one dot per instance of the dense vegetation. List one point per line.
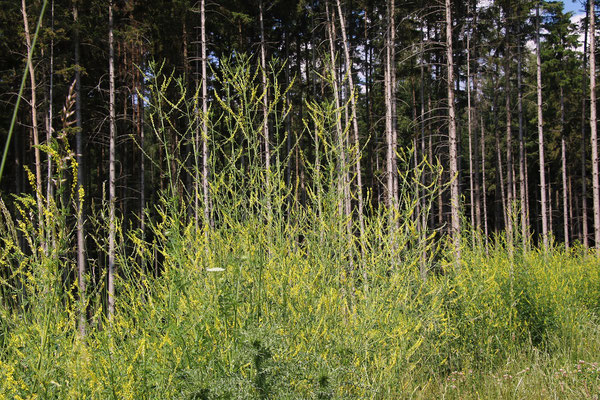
(241, 217)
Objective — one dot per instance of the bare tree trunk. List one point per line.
(527, 206)
(34, 125)
(318, 176)
(389, 116)
(540, 124)
(570, 201)
(470, 133)
(593, 127)
(394, 116)
(550, 213)
(509, 150)
(197, 127)
(483, 183)
(80, 184)
(563, 147)
(288, 118)
(263, 64)
(343, 207)
(354, 120)
(183, 147)
(50, 112)
(422, 200)
(373, 186)
(417, 213)
(343, 183)
(453, 148)
(142, 163)
(499, 170)
(477, 186)
(111, 163)
(205, 154)
(522, 180)
(584, 216)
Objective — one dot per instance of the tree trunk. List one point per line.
(372, 147)
(540, 125)
(389, 116)
(357, 147)
(527, 206)
(570, 201)
(550, 213)
(453, 148)
(205, 154)
(584, 216)
(563, 147)
(476, 183)
(80, 184)
(423, 177)
(483, 183)
(470, 134)
(111, 164)
(509, 150)
(50, 111)
(142, 158)
(522, 181)
(197, 126)
(593, 127)
(344, 201)
(394, 114)
(288, 117)
(343, 183)
(265, 101)
(500, 192)
(34, 125)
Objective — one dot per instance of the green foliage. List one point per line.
(284, 303)
(251, 314)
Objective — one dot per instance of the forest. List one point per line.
(311, 199)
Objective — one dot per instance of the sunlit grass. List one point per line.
(287, 305)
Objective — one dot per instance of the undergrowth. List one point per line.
(279, 299)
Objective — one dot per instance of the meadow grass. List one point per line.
(278, 300)
(251, 313)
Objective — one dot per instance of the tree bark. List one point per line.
(265, 101)
(476, 171)
(205, 153)
(584, 216)
(522, 180)
(142, 159)
(389, 115)
(357, 147)
(80, 183)
(563, 148)
(422, 200)
(453, 148)
(343, 187)
(50, 111)
(540, 125)
(34, 125)
(373, 185)
(470, 134)
(111, 164)
(394, 114)
(550, 213)
(483, 183)
(509, 150)
(593, 128)
(500, 192)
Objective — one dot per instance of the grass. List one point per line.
(267, 318)
(281, 303)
